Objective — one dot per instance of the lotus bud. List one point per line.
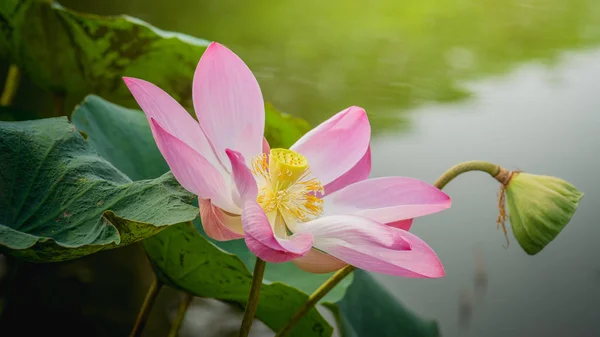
(539, 207)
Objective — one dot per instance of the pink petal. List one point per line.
(266, 148)
(261, 239)
(372, 246)
(192, 170)
(318, 262)
(402, 224)
(336, 145)
(259, 235)
(173, 117)
(359, 172)
(387, 200)
(228, 103)
(219, 225)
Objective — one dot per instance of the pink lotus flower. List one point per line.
(310, 204)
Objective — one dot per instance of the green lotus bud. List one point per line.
(539, 207)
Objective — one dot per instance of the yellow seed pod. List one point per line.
(286, 167)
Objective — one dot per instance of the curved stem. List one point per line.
(475, 165)
(259, 270)
(142, 317)
(10, 85)
(183, 306)
(315, 298)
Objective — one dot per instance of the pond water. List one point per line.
(537, 119)
(444, 81)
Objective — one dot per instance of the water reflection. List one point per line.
(539, 119)
(313, 58)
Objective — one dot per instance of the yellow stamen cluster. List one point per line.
(286, 187)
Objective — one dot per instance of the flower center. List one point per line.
(286, 191)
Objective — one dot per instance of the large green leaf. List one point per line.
(369, 310)
(59, 200)
(123, 137)
(75, 54)
(186, 260)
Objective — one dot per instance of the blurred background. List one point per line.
(514, 82)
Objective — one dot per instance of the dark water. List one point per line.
(444, 81)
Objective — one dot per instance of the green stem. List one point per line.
(142, 317)
(259, 270)
(10, 85)
(475, 165)
(183, 306)
(315, 298)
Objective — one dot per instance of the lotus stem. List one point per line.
(315, 298)
(10, 85)
(259, 271)
(183, 306)
(142, 317)
(476, 165)
(495, 171)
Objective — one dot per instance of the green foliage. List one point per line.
(186, 260)
(283, 130)
(121, 136)
(75, 54)
(59, 200)
(286, 273)
(368, 308)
